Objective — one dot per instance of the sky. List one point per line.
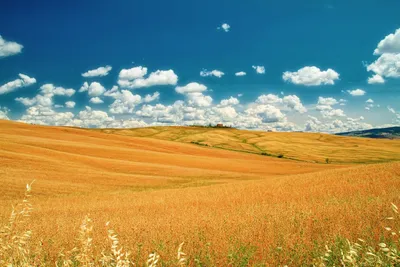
(312, 65)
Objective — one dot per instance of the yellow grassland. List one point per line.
(158, 193)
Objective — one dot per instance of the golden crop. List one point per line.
(230, 208)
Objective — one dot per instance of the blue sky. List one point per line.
(315, 59)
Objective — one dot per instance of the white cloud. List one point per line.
(102, 71)
(45, 115)
(369, 101)
(125, 102)
(133, 73)
(50, 89)
(3, 113)
(199, 100)
(151, 98)
(267, 113)
(96, 100)
(26, 101)
(387, 65)
(70, 104)
(356, 92)
(327, 101)
(259, 69)
(390, 44)
(94, 89)
(45, 97)
(229, 102)
(191, 88)
(376, 79)
(293, 102)
(344, 125)
(24, 81)
(391, 110)
(225, 27)
(84, 87)
(268, 99)
(311, 76)
(8, 48)
(225, 114)
(159, 77)
(240, 73)
(332, 113)
(216, 73)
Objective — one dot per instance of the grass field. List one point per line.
(310, 147)
(230, 208)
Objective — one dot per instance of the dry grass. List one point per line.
(310, 147)
(229, 208)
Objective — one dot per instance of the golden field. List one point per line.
(309, 147)
(157, 189)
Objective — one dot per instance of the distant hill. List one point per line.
(311, 147)
(384, 133)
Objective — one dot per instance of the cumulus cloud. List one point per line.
(194, 93)
(102, 71)
(125, 102)
(268, 113)
(229, 102)
(8, 48)
(328, 113)
(45, 97)
(391, 110)
(45, 115)
(199, 100)
(311, 76)
(225, 114)
(50, 89)
(96, 100)
(376, 79)
(26, 101)
(133, 73)
(293, 102)
(134, 78)
(151, 98)
(70, 104)
(390, 44)
(259, 69)
(240, 73)
(12, 86)
(268, 99)
(216, 73)
(327, 101)
(336, 125)
(225, 27)
(191, 88)
(3, 113)
(94, 89)
(160, 77)
(356, 92)
(387, 65)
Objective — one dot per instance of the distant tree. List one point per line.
(327, 160)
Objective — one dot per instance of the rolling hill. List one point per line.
(309, 147)
(384, 133)
(158, 189)
(79, 160)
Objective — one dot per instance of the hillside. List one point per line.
(309, 147)
(227, 206)
(79, 160)
(385, 133)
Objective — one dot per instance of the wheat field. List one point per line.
(309, 147)
(229, 208)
